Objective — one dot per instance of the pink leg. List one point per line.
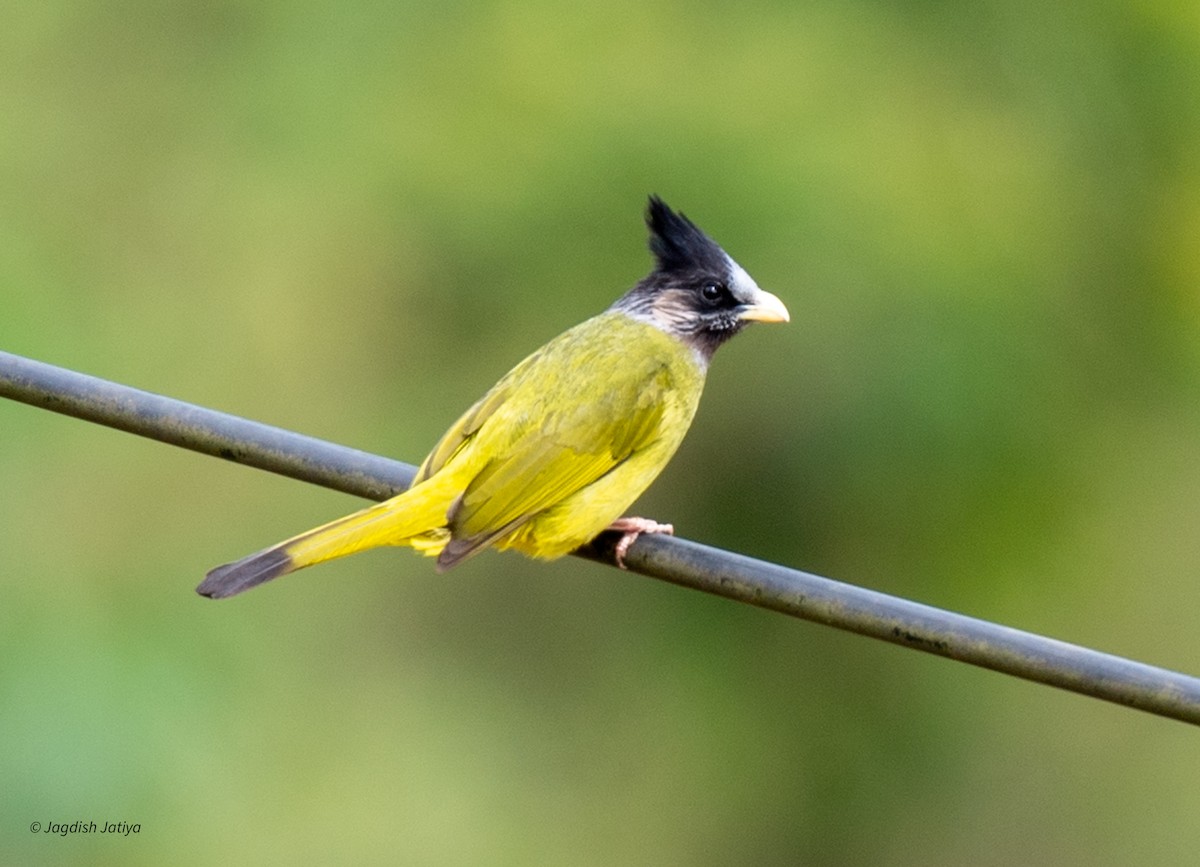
(630, 529)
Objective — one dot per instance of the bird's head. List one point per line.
(696, 292)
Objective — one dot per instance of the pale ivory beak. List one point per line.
(764, 308)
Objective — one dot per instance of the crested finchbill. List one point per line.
(558, 449)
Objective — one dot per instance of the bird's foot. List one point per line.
(630, 529)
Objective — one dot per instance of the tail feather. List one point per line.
(234, 578)
(398, 521)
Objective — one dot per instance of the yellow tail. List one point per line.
(416, 517)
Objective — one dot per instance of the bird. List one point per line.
(563, 444)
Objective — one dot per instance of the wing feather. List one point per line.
(561, 419)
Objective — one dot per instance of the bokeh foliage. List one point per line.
(349, 218)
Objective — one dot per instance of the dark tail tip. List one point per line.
(234, 578)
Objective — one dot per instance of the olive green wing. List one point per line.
(542, 446)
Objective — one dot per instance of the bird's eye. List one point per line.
(711, 293)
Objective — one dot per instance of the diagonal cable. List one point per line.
(679, 561)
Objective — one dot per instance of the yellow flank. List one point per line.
(554, 453)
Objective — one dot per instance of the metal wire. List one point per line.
(679, 561)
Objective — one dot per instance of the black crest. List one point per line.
(678, 244)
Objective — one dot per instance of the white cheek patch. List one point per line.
(741, 284)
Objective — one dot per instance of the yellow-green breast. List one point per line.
(569, 438)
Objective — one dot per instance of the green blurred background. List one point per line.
(349, 218)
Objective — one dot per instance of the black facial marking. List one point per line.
(688, 294)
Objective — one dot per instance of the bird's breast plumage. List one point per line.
(569, 438)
